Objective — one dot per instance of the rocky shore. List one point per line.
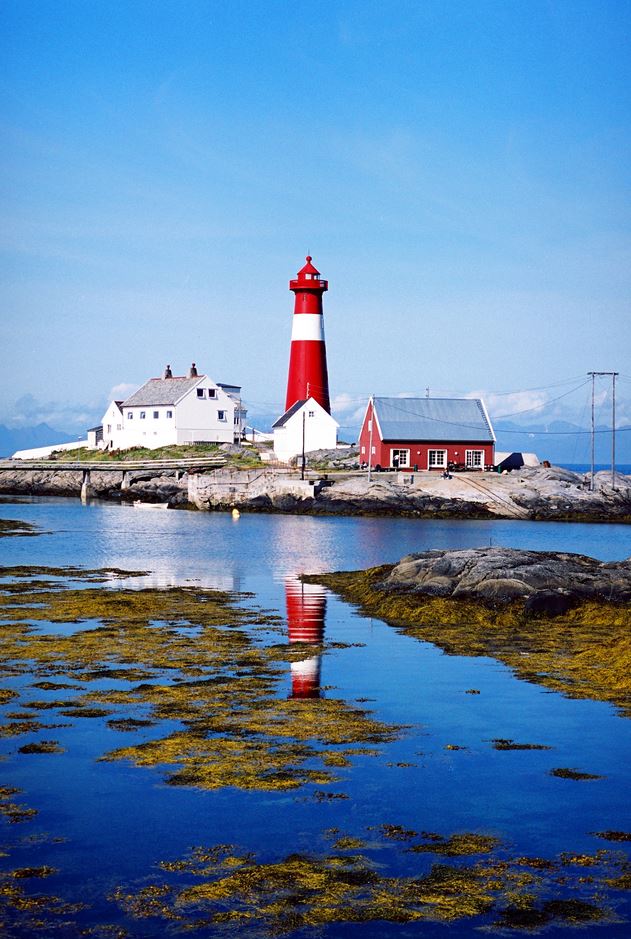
(530, 493)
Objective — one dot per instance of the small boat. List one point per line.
(138, 504)
(236, 513)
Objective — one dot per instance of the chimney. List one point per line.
(167, 372)
(192, 372)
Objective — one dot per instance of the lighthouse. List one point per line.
(308, 376)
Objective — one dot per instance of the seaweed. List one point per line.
(563, 772)
(500, 743)
(219, 684)
(9, 527)
(42, 746)
(222, 885)
(582, 653)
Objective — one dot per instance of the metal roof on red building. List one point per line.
(433, 419)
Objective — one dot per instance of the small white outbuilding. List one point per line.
(306, 426)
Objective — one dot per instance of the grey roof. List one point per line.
(162, 391)
(433, 419)
(290, 413)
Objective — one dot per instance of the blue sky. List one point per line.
(460, 172)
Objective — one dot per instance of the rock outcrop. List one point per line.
(546, 581)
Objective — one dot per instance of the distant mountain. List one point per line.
(24, 438)
(563, 442)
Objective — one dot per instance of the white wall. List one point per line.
(198, 418)
(112, 422)
(320, 432)
(40, 453)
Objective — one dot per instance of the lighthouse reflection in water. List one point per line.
(306, 609)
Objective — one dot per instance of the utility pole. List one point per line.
(372, 420)
(613, 426)
(591, 478)
(613, 429)
(302, 474)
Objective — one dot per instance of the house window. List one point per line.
(373, 451)
(169, 414)
(119, 427)
(370, 424)
(212, 392)
(221, 415)
(400, 458)
(130, 415)
(474, 459)
(109, 428)
(437, 459)
(142, 415)
(200, 392)
(156, 414)
(311, 413)
(363, 449)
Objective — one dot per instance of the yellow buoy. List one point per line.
(236, 513)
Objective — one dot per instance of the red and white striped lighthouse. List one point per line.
(308, 376)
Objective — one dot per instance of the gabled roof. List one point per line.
(289, 413)
(433, 419)
(162, 391)
(296, 406)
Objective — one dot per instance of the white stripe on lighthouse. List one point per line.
(307, 326)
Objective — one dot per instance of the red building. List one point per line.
(427, 433)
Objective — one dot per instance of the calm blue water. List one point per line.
(622, 468)
(120, 820)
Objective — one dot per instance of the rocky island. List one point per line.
(243, 481)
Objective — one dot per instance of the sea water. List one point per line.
(119, 820)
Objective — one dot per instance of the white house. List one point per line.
(306, 426)
(174, 409)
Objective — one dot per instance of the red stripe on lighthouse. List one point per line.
(306, 608)
(308, 375)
